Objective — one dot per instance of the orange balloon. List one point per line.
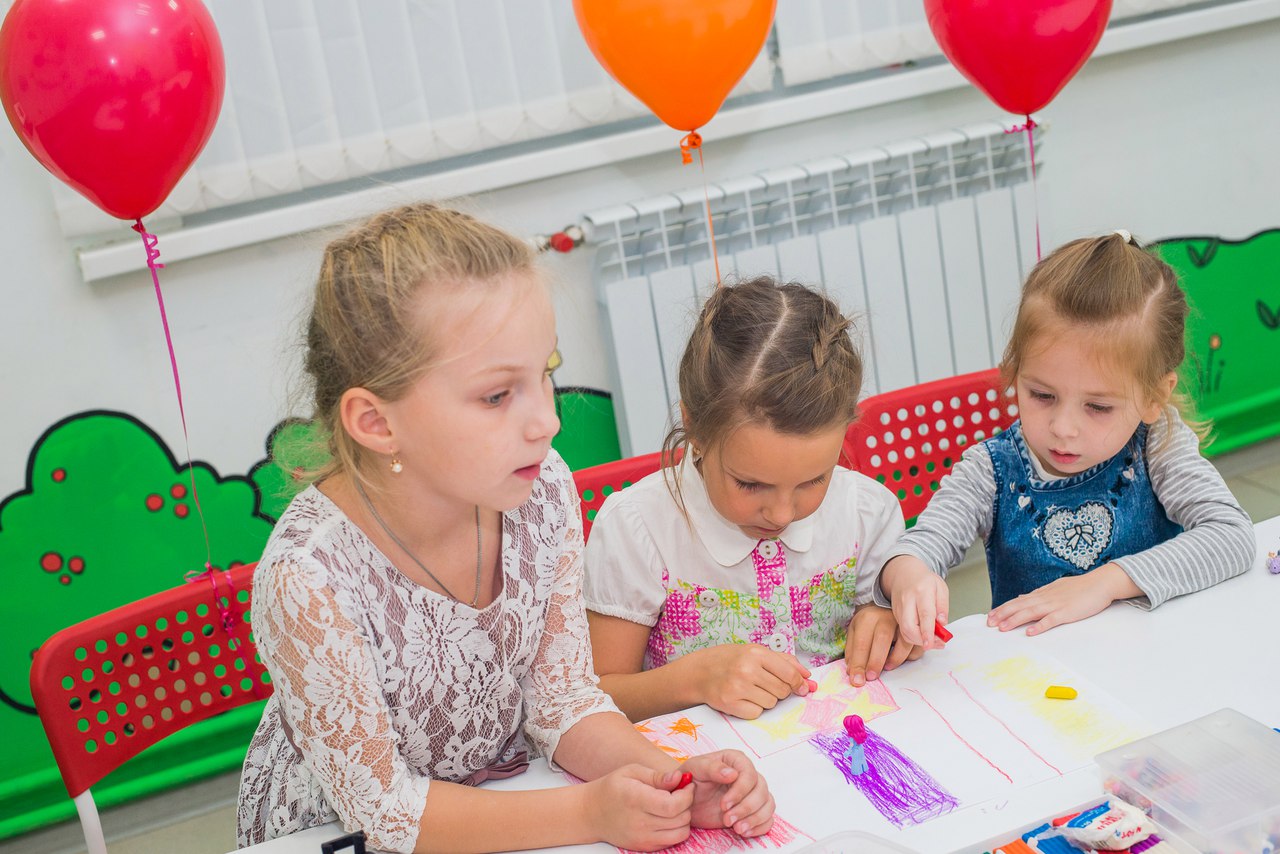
(680, 57)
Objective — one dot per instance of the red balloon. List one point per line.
(114, 97)
(680, 57)
(1019, 52)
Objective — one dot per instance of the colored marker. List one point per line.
(685, 779)
(941, 631)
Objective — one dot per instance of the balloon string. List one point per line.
(687, 145)
(1030, 127)
(227, 617)
(149, 243)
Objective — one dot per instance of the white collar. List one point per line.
(723, 539)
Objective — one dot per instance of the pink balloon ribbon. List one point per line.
(1030, 127)
(229, 623)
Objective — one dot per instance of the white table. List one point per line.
(1192, 656)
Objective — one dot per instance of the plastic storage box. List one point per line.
(1214, 783)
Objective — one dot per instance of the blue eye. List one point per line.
(495, 399)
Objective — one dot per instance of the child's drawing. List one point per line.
(676, 735)
(899, 789)
(705, 841)
(1083, 727)
(796, 719)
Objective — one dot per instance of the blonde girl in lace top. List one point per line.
(419, 605)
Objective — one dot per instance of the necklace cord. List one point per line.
(475, 599)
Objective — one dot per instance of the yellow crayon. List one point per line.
(1060, 692)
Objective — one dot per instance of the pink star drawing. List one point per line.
(823, 713)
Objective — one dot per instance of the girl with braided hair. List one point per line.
(727, 575)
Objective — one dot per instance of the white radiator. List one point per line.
(925, 241)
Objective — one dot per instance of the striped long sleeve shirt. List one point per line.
(1216, 543)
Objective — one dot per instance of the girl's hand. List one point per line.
(637, 808)
(875, 644)
(745, 679)
(729, 792)
(919, 598)
(1066, 600)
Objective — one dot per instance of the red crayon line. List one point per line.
(975, 750)
(1003, 724)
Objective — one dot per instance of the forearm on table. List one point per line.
(603, 742)
(649, 693)
(465, 818)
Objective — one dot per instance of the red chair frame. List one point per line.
(910, 439)
(110, 687)
(597, 483)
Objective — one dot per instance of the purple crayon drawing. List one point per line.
(899, 789)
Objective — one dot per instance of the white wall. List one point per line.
(1172, 140)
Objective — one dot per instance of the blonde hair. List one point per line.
(1125, 296)
(364, 329)
(767, 353)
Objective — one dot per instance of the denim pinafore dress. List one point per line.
(1044, 530)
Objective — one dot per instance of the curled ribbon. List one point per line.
(687, 145)
(691, 142)
(1029, 128)
(150, 243)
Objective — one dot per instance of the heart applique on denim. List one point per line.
(1079, 536)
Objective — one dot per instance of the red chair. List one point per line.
(910, 438)
(597, 483)
(110, 687)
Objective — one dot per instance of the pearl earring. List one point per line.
(396, 465)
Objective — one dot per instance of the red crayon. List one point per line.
(941, 631)
(685, 779)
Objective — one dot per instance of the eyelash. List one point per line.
(1099, 408)
(752, 486)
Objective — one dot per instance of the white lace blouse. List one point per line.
(382, 685)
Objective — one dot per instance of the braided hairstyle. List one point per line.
(767, 353)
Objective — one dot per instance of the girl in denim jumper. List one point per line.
(1098, 493)
(723, 578)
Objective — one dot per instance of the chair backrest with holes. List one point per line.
(910, 438)
(110, 687)
(597, 483)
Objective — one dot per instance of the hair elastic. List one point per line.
(1124, 233)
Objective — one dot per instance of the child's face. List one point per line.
(1076, 411)
(762, 480)
(477, 426)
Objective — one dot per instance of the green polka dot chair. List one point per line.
(110, 687)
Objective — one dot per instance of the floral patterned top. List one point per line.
(382, 685)
(700, 582)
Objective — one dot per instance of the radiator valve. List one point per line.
(562, 241)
